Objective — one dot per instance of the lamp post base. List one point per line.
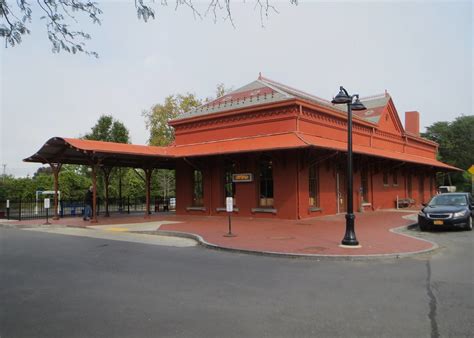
(350, 236)
(350, 246)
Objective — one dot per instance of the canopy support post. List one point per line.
(107, 171)
(55, 168)
(148, 173)
(94, 193)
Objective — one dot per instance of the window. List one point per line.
(364, 182)
(395, 177)
(314, 186)
(198, 192)
(409, 186)
(229, 186)
(385, 178)
(266, 182)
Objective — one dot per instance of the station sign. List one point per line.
(46, 203)
(244, 177)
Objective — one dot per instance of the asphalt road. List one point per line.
(62, 286)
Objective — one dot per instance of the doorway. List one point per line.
(341, 192)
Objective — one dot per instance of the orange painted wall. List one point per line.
(291, 186)
(250, 128)
(385, 196)
(291, 194)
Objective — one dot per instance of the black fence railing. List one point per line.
(22, 209)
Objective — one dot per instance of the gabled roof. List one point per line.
(375, 107)
(264, 91)
(253, 94)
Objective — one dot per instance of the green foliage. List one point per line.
(221, 90)
(156, 119)
(163, 183)
(456, 147)
(108, 129)
(135, 186)
(72, 183)
(57, 14)
(16, 17)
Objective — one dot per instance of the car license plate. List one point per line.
(438, 222)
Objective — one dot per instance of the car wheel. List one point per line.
(469, 225)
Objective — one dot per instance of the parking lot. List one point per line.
(56, 285)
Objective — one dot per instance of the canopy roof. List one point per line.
(77, 151)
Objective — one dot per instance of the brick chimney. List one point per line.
(412, 122)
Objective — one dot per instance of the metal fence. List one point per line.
(22, 209)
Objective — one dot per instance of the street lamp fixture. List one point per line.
(343, 97)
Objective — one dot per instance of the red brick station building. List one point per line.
(280, 152)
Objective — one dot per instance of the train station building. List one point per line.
(279, 152)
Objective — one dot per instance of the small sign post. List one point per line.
(471, 171)
(46, 206)
(8, 209)
(229, 207)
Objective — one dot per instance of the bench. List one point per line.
(404, 202)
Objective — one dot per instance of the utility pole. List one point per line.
(4, 171)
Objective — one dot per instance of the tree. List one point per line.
(221, 90)
(156, 119)
(456, 145)
(17, 16)
(108, 129)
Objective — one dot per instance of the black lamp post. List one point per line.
(341, 98)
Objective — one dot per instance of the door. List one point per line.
(341, 192)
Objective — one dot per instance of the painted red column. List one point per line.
(148, 173)
(94, 194)
(107, 171)
(56, 167)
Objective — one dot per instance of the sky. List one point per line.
(420, 52)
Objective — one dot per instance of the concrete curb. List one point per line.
(397, 230)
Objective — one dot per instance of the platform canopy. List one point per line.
(88, 152)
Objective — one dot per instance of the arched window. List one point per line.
(198, 189)
(265, 168)
(364, 182)
(409, 185)
(395, 177)
(229, 186)
(313, 186)
(385, 178)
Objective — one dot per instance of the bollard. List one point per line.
(229, 208)
(46, 206)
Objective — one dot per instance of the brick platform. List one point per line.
(319, 236)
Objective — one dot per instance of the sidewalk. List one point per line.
(315, 236)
